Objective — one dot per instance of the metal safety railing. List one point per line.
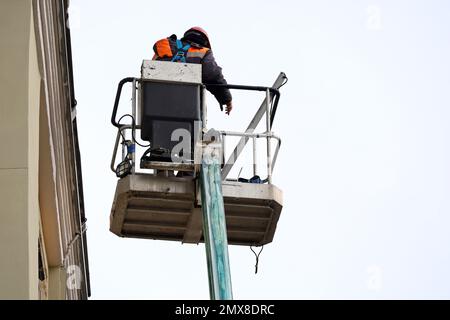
(271, 159)
(268, 109)
(120, 133)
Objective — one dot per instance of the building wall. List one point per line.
(19, 129)
(42, 226)
(61, 204)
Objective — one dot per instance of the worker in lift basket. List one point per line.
(195, 47)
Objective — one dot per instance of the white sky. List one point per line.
(364, 164)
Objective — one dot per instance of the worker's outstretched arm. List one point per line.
(212, 74)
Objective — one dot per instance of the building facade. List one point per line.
(43, 251)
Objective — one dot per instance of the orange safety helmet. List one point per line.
(198, 35)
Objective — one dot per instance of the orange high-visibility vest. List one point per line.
(166, 49)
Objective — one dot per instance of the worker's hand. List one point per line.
(229, 107)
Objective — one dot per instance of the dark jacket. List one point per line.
(165, 49)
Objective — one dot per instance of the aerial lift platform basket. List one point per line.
(163, 207)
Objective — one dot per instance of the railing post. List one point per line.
(269, 149)
(124, 147)
(203, 106)
(223, 137)
(255, 168)
(133, 112)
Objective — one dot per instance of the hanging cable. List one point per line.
(133, 125)
(257, 257)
